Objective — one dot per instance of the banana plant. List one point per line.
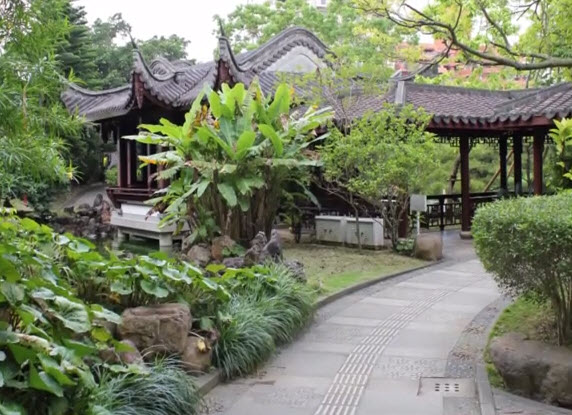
(232, 159)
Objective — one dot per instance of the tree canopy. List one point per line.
(525, 35)
(348, 32)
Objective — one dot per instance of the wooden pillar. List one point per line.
(131, 173)
(538, 150)
(465, 189)
(517, 153)
(503, 171)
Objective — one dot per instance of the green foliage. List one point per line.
(562, 137)
(111, 176)
(384, 156)
(165, 390)
(529, 36)
(114, 60)
(526, 243)
(354, 38)
(233, 160)
(33, 118)
(46, 331)
(269, 308)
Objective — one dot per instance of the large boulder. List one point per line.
(534, 369)
(198, 354)
(428, 246)
(158, 329)
(200, 254)
(219, 245)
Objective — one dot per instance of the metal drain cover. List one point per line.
(447, 387)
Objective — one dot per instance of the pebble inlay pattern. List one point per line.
(345, 392)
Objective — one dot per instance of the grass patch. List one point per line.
(526, 315)
(333, 268)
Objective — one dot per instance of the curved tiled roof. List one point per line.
(458, 105)
(100, 105)
(176, 84)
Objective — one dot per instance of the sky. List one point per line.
(191, 19)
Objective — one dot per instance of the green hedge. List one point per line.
(526, 243)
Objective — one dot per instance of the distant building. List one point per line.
(431, 52)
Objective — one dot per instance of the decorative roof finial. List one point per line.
(221, 27)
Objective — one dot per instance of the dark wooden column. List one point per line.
(538, 150)
(517, 153)
(465, 190)
(130, 156)
(502, 156)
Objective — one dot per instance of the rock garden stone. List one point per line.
(197, 356)
(297, 270)
(157, 329)
(252, 256)
(534, 369)
(428, 246)
(273, 249)
(218, 246)
(200, 254)
(233, 262)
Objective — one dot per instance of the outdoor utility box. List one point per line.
(371, 231)
(331, 229)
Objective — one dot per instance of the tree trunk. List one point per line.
(356, 215)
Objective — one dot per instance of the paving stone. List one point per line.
(347, 321)
(366, 310)
(398, 397)
(398, 367)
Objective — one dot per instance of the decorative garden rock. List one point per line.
(200, 254)
(273, 249)
(129, 356)
(218, 246)
(233, 262)
(252, 256)
(297, 270)
(534, 369)
(83, 210)
(197, 356)
(157, 329)
(428, 246)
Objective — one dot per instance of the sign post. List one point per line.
(418, 204)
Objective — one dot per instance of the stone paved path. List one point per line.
(384, 350)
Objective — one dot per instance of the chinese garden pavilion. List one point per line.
(461, 116)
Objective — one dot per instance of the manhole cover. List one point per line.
(447, 386)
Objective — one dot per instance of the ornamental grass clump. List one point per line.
(165, 390)
(526, 244)
(271, 313)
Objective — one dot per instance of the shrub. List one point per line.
(111, 176)
(527, 244)
(47, 334)
(165, 390)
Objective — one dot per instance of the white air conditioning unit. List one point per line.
(331, 229)
(371, 231)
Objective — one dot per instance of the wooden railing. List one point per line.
(445, 210)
